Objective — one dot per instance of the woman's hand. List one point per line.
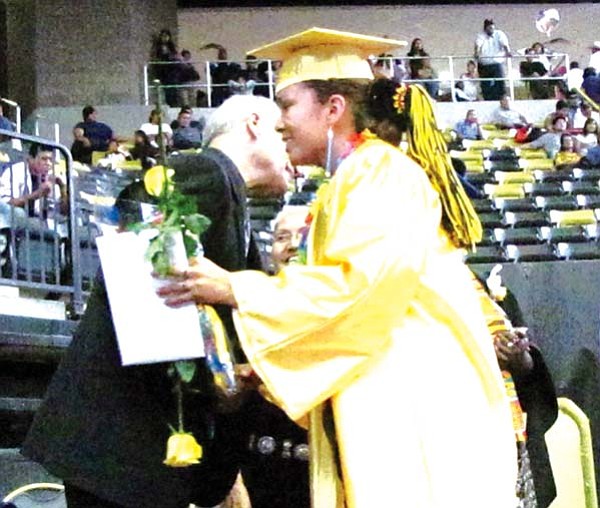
(202, 282)
(512, 350)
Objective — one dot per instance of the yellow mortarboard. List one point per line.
(319, 53)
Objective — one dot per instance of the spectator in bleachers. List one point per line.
(468, 79)
(561, 110)
(595, 56)
(531, 68)
(143, 149)
(469, 128)
(165, 52)
(574, 76)
(491, 50)
(188, 133)
(241, 85)
(34, 186)
(96, 135)
(421, 68)
(187, 75)
(81, 149)
(567, 156)
(221, 72)
(151, 129)
(589, 137)
(504, 117)
(591, 84)
(551, 140)
(114, 155)
(5, 123)
(592, 158)
(584, 113)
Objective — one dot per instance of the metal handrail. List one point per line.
(75, 289)
(451, 59)
(17, 109)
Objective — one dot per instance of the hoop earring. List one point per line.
(329, 151)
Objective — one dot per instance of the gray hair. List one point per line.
(234, 110)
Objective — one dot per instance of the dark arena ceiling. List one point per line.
(295, 3)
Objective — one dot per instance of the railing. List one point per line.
(48, 249)
(446, 68)
(17, 109)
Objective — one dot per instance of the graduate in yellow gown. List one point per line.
(380, 339)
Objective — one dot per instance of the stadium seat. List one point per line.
(586, 174)
(467, 155)
(491, 254)
(517, 236)
(483, 205)
(509, 190)
(479, 179)
(540, 164)
(526, 219)
(514, 177)
(544, 188)
(587, 250)
(491, 220)
(571, 234)
(501, 165)
(520, 253)
(487, 238)
(474, 166)
(553, 175)
(477, 144)
(587, 201)
(556, 202)
(569, 444)
(572, 217)
(515, 204)
(582, 187)
(532, 153)
(97, 156)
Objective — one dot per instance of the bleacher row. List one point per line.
(531, 211)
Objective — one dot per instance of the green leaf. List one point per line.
(196, 223)
(186, 369)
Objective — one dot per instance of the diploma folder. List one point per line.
(147, 330)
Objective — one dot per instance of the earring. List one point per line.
(329, 151)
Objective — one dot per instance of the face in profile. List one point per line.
(269, 157)
(303, 125)
(288, 234)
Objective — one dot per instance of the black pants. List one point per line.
(77, 498)
(492, 90)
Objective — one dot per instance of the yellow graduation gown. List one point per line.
(385, 324)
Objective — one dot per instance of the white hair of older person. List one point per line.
(234, 111)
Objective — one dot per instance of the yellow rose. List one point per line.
(154, 179)
(182, 450)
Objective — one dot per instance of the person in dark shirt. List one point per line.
(96, 135)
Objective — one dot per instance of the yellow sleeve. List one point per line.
(312, 329)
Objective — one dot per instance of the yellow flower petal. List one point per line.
(154, 179)
(182, 450)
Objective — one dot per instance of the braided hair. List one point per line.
(397, 110)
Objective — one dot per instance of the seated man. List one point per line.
(562, 110)
(33, 186)
(96, 135)
(187, 133)
(506, 118)
(469, 128)
(550, 141)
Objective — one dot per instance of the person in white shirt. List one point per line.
(491, 50)
(582, 115)
(595, 56)
(506, 118)
(151, 129)
(574, 76)
(589, 137)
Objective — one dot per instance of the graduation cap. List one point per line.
(320, 53)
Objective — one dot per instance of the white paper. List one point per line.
(147, 330)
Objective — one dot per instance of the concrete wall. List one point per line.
(445, 29)
(73, 52)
